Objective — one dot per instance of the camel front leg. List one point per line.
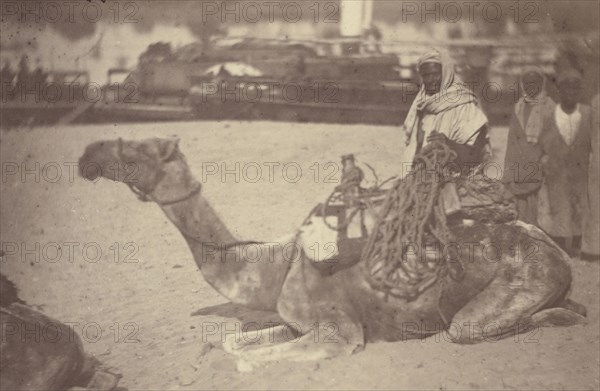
(327, 339)
(233, 344)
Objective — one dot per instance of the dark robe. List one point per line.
(522, 173)
(591, 232)
(563, 196)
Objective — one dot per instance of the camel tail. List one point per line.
(573, 306)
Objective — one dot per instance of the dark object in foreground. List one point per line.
(40, 353)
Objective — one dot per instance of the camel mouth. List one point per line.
(90, 167)
(94, 161)
(88, 170)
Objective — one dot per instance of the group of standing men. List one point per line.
(552, 153)
(552, 161)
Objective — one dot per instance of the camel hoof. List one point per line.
(557, 317)
(231, 345)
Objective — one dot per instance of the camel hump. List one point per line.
(533, 231)
(536, 233)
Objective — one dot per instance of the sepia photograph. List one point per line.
(299, 195)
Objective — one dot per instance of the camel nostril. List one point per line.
(80, 165)
(89, 174)
(87, 170)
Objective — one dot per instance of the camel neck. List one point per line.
(199, 224)
(205, 234)
(220, 259)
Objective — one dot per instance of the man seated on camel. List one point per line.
(446, 110)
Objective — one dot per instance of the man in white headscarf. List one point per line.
(446, 110)
(522, 173)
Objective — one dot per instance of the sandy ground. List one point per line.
(145, 309)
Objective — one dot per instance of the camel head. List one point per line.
(153, 167)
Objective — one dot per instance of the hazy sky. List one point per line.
(96, 36)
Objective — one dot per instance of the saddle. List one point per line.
(350, 242)
(480, 199)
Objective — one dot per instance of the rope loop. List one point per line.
(412, 219)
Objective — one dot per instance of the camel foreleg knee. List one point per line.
(321, 342)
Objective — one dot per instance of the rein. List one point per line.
(146, 196)
(195, 190)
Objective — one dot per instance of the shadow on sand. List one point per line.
(243, 314)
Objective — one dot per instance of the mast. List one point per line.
(356, 18)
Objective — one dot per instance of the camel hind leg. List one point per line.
(525, 293)
(494, 313)
(500, 311)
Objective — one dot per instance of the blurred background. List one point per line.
(318, 61)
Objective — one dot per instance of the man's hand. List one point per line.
(436, 136)
(406, 135)
(544, 163)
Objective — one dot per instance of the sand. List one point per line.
(127, 282)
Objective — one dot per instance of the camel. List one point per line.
(327, 305)
(41, 353)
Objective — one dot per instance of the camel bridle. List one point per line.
(146, 196)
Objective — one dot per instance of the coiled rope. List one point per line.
(411, 210)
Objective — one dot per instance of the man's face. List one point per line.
(532, 84)
(431, 74)
(569, 91)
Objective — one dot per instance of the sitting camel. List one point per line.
(515, 293)
(41, 353)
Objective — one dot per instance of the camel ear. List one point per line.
(167, 148)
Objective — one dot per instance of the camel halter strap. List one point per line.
(146, 196)
(195, 190)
